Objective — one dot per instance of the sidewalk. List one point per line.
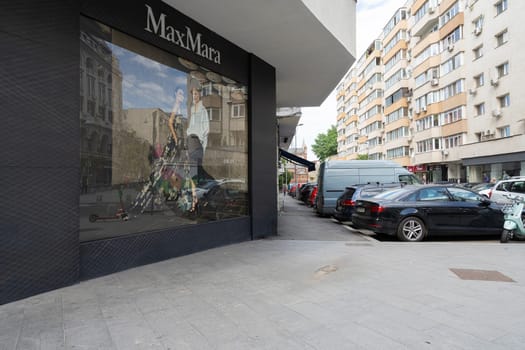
(345, 292)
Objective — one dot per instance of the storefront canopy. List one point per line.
(311, 43)
(297, 160)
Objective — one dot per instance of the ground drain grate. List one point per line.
(481, 275)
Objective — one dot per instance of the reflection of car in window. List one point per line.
(225, 199)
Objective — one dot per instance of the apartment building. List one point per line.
(494, 52)
(434, 92)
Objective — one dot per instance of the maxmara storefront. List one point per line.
(134, 133)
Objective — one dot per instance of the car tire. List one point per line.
(505, 235)
(411, 229)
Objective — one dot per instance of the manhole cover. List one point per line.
(481, 275)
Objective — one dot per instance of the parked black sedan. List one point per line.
(345, 204)
(413, 212)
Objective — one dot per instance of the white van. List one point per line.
(335, 175)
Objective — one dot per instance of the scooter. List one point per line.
(513, 219)
(121, 213)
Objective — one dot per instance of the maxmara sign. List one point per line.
(183, 38)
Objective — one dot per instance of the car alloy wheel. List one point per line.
(411, 229)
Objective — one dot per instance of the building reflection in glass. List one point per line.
(145, 165)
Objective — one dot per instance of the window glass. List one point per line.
(163, 140)
(433, 194)
(463, 195)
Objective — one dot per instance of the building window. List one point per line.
(502, 37)
(450, 65)
(453, 141)
(479, 80)
(451, 116)
(478, 25)
(214, 114)
(480, 109)
(501, 6)
(449, 14)
(478, 52)
(504, 131)
(451, 38)
(91, 86)
(502, 69)
(238, 110)
(504, 100)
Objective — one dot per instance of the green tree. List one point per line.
(285, 178)
(325, 144)
(362, 156)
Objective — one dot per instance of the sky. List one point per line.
(372, 16)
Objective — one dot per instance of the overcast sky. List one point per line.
(372, 16)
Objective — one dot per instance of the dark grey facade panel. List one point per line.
(500, 158)
(263, 151)
(130, 18)
(103, 257)
(39, 147)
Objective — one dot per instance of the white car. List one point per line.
(515, 186)
(483, 188)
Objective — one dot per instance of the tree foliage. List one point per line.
(285, 178)
(325, 144)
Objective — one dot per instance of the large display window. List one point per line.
(163, 140)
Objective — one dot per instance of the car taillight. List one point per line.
(377, 209)
(348, 203)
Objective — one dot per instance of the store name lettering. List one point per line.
(184, 39)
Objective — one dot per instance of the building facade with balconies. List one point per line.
(449, 71)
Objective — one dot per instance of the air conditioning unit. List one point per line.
(409, 99)
(496, 113)
(424, 108)
(494, 81)
(477, 31)
(450, 47)
(472, 91)
(444, 152)
(434, 82)
(431, 9)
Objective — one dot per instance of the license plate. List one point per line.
(360, 210)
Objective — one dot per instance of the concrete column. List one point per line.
(474, 174)
(496, 171)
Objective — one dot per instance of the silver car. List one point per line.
(514, 185)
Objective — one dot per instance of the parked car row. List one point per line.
(389, 200)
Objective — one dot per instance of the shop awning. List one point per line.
(297, 160)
